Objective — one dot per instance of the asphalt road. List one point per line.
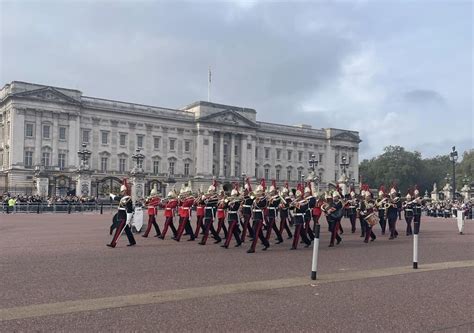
(57, 275)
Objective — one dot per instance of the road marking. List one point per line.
(48, 309)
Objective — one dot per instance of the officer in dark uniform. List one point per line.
(284, 212)
(392, 213)
(418, 206)
(408, 207)
(273, 204)
(233, 218)
(334, 216)
(124, 216)
(258, 208)
(211, 200)
(247, 211)
(380, 203)
(300, 207)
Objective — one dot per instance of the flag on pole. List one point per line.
(209, 74)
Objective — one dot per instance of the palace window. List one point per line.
(236, 150)
(336, 158)
(171, 169)
(278, 171)
(156, 142)
(266, 173)
(62, 133)
(267, 153)
(61, 161)
(85, 136)
(123, 139)
(187, 146)
(139, 141)
(288, 174)
(278, 154)
(46, 131)
(186, 169)
(29, 130)
(46, 159)
(172, 144)
(300, 156)
(105, 137)
(300, 174)
(28, 159)
(320, 158)
(289, 155)
(103, 164)
(122, 164)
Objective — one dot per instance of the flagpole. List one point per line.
(209, 86)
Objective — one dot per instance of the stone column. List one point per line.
(243, 155)
(38, 138)
(199, 153)
(54, 140)
(251, 158)
(232, 155)
(221, 155)
(17, 137)
(73, 141)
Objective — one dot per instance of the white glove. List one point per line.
(129, 218)
(112, 196)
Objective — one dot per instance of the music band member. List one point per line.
(233, 218)
(300, 207)
(169, 206)
(368, 213)
(284, 211)
(152, 202)
(273, 205)
(380, 203)
(247, 211)
(186, 203)
(124, 216)
(258, 208)
(408, 207)
(210, 200)
(334, 215)
(392, 213)
(351, 206)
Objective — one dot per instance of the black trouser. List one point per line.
(233, 230)
(408, 220)
(369, 233)
(363, 226)
(247, 227)
(300, 231)
(307, 227)
(352, 218)
(128, 232)
(258, 233)
(284, 225)
(383, 224)
(334, 228)
(168, 224)
(392, 222)
(209, 226)
(272, 225)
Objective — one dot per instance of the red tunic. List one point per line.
(221, 209)
(152, 203)
(169, 207)
(185, 208)
(317, 209)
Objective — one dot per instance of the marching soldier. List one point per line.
(300, 206)
(211, 200)
(408, 207)
(152, 202)
(417, 207)
(368, 212)
(233, 218)
(258, 208)
(247, 210)
(392, 213)
(200, 205)
(360, 208)
(334, 216)
(124, 216)
(185, 206)
(380, 203)
(169, 207)
(284, 212)
(308, 195)
(221, 213)
(351, 206)
(273, 204)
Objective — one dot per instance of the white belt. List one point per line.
(168, 208)
(121, 209)
(209, 207)
(257, 210)
(246, 206)
(188, 208)
(233, 212)
(299, 214)
(272, 208)
(409, 210)
(220, 210)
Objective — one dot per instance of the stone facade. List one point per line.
(42, 128)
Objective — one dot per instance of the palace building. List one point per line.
(42, 128)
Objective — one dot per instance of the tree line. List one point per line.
(406, 169)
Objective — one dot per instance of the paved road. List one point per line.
(58, 275)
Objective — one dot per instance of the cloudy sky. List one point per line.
(399, 72)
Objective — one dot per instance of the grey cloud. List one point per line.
(421, 96)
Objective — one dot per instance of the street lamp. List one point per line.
(138, 158)
(313, 163)
(344, 164)
(243, 179)
(453, 156)
(84, 155)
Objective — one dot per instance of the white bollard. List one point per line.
(314, 266)
(416, 226)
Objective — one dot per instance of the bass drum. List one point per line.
(371, 219)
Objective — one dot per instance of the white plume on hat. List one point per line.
(123, 188)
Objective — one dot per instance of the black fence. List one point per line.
(68, 208)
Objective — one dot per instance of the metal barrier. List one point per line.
(59, 207)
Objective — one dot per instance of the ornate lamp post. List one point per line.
(84, 155)
(243, 179)
(313, 163)
(344, 164)
(453, 156)
(138, 159)
(138, 176)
